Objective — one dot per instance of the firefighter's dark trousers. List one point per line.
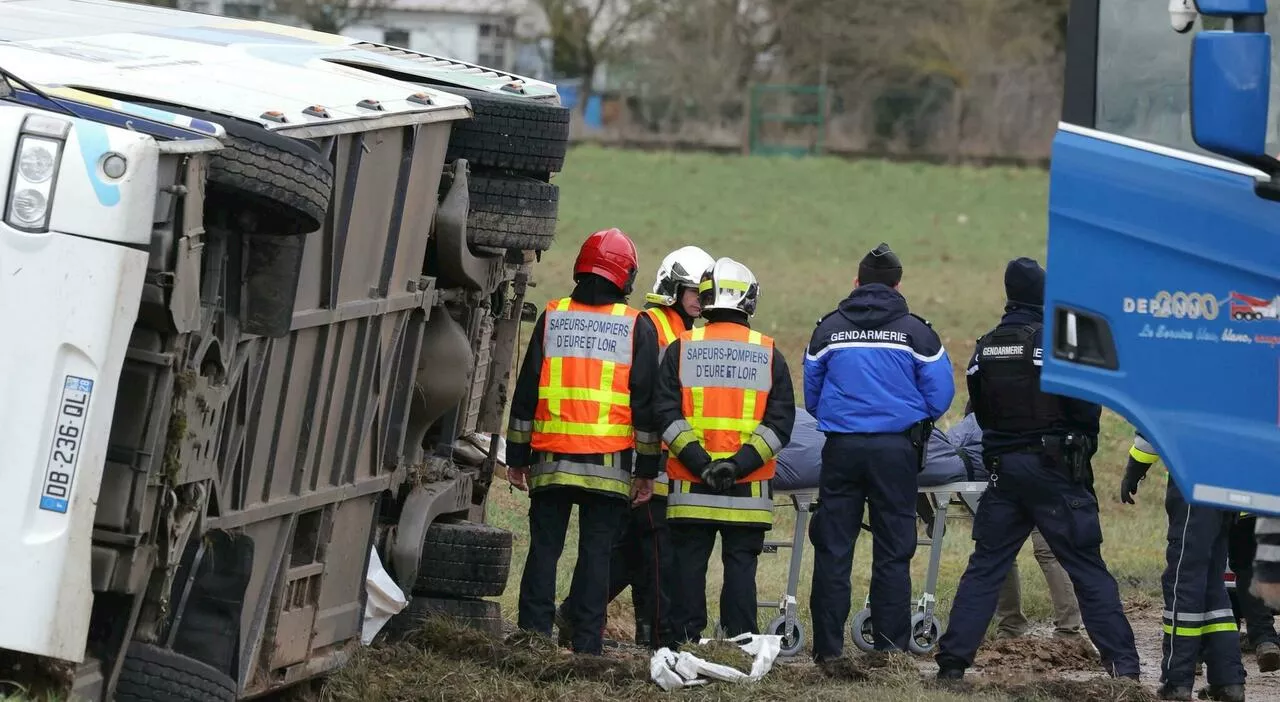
(1030, 493)
(642, 560)
(549, 510)
(740, 549)
(857, 469)
(1198, 620)
(1242, 546)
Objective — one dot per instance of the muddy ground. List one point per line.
(450, 664)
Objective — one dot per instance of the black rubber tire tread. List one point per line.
(512, 212)
(464, 559)
(511, 133)
(483, 615)
(288, 179)
(282, 182)
(154, 674)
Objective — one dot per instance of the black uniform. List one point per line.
(1199, 623)
(1037, 449)
(598, 512)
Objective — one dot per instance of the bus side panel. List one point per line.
(1181, 260)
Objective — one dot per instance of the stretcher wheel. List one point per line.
(924, 633)
(792, 637)
(860, 630)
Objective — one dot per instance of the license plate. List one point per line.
(68, 433)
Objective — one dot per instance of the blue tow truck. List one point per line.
(1163, 293)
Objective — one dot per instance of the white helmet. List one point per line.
(681, 268)
(729, 285)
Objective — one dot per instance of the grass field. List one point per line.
(802, 226)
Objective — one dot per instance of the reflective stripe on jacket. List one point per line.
(668, 323)
(584, 396)
(747, 504)
(611, 477)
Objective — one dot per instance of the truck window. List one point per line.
(1143, 78)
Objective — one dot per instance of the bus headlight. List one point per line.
(35, 171)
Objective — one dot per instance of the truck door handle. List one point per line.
(1084, 338)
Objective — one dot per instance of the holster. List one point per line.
(1070, 452)
(919, 434)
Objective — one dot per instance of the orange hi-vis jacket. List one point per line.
(668, 323)
(670, 326)
(726, 373)
(584, 393)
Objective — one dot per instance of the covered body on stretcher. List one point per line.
(953, 467)
(953, 456)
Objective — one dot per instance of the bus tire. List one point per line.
(509, 133)
(482, 615)
(464, 559)
(154, 674)
(512, 212)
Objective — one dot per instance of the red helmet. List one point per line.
(611, 255)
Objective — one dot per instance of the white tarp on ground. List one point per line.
(674, 671)
(385, 598)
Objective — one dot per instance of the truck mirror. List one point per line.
(1230, 91)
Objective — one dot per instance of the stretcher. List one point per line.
(933, 507)
(952, 473)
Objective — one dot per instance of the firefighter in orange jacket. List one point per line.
(582, 433)
(726, 408)
(642, 552)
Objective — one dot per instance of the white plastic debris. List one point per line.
(675, 671)
(385, 599)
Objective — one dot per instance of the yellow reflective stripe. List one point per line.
(755, 337)
(1142, 456)
(745, 426)
(580, 428)
(661, 489)
(727, 284)
(603, 395)
(518, 437)
(555, 380)
(618, 309)
(667, 332)
(697, 396)
(587, 482)
(607, 369)
(761, 446)
(698, 333)
(1192, 630)
(681, 442)
(716, 514)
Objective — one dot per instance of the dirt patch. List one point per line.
(1102, 690)
(890, 669)
(1037, 655)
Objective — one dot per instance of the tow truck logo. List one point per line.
(1247, 308)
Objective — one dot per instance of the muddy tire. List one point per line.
(287, 184)
(464, 559)
(512, 212)
(154, 674)
(481, 615)
(510, 133)
(283, 184)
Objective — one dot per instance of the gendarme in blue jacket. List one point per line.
(873, 367)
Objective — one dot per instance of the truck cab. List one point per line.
(1164, 237)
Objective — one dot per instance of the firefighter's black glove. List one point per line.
(719, 475)
(1134, 472)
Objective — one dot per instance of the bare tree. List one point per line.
(588, 33)
(331, 16)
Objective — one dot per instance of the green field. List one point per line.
(802, 226)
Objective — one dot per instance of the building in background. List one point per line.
(492, 33)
